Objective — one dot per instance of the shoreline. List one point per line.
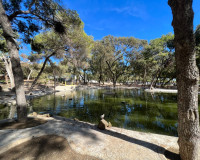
(9, 98)
(160, 90)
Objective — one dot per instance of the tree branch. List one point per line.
(15, 14)
(41, 70)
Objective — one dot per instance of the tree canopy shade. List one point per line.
(23, 16)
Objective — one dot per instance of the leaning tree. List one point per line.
(24, 16)
(187, 79)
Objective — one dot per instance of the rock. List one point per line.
(103, 124)
(76, 119)
(35, 114)
(109, 124)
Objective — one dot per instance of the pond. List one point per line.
(126, 108)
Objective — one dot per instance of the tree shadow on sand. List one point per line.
(169, 154)
(72, 127)
(45, 147)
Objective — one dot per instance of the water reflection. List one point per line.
(131, 109)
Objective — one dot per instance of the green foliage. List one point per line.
(112, 57)
(157, 60)
(28, 17)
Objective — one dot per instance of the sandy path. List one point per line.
(85, 138)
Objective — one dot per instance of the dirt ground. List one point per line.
(82, 140)
(31, 122)
(48, 147)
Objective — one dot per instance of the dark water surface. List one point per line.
(126, 108)
(130, 109)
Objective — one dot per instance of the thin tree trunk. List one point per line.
(6, 79)
(16, 66)
(84, 77)
(144, 77)
(29, 75)
(100, 80)
(8, 67)
(114, 82)
(41, 70)
(187, 79)
(54, 82)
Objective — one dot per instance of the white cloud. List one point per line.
(132, 11)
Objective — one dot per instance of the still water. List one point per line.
(130, 109)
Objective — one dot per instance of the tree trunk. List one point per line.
(6, 79)
(84, 77)
(187, 79)
(16, 66)
(54, 78)
(29, 75)
(144, 77)
(100, 80)
(41, 70)
(8, 67)
(114, 82)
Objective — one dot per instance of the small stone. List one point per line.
(109, 124)
(103, 124)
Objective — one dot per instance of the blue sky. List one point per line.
(143, 19)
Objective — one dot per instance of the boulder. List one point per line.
(103, 124)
